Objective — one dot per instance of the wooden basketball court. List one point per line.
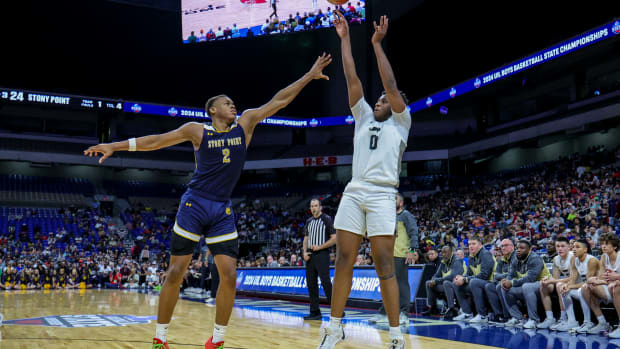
(124, 319)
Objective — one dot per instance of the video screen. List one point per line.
(213, 20)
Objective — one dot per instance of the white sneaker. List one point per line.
(547, 323)
(600, 327)
(587, 325)
(555, 326)
(463, 317)
(330, 337)
(529, 324)
(615, 333)
(403, 319)
(397, 344)
(512, 322)
(478, 319)
(566, 326)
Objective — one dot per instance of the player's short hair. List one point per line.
(317, 200)
(524, 241)
(562, 239)
(211, 101)
(611, 239)
(402, 94)
(586, 244)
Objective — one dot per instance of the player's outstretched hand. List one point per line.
(103, 149)
(341, 25)
(380, 30)
(317, 69)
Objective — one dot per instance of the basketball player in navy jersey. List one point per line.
(205, 208)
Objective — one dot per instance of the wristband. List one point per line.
(132, 144)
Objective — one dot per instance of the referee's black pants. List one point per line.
(318, 266)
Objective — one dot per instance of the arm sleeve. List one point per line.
(411, 226)
(534, 267)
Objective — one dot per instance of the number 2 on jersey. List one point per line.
(373, 141)
(226, 154)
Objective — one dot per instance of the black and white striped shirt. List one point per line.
(318, 230)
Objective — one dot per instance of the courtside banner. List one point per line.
(292, 281)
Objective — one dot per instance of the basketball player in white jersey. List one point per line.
(583, 267)
(368, 205)
(597, 288)
(561, 271)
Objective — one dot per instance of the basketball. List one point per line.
(338, 2)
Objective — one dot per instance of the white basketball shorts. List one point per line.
(367, 209)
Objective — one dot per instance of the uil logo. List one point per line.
(453, 92)
(173, 111)
(136, 108)
(616, 27)
(314, 122)
(228, 211)
(349, 120)
(477, 83)
(429, 101)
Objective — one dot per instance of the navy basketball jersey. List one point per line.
(219, 162)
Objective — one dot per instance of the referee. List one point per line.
(319, 236)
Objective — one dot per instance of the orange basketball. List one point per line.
(338, 2)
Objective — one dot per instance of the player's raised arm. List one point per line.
(251, 117)
(385, 69)
(354, 85)
(191, 131)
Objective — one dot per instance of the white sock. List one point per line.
(218, 333)
(161, 331)
(563, 316)
(601, 319)
(395, 333)
(334, 322)
(549, 314)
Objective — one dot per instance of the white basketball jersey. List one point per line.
(563, 264)
(607, 263)
(582, 268)
(378, 146)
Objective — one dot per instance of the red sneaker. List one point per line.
(158, 344)
(211, 345)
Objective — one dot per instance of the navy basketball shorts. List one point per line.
(198, 216)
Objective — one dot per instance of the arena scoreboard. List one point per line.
(15, 96)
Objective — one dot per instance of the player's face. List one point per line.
(579, 249)
(225, 109)
(383, 109)
(605, 247)
(562, 248)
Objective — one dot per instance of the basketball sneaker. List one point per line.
(397, 344)
(211, 345)
(330, 337)
(158, 344)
